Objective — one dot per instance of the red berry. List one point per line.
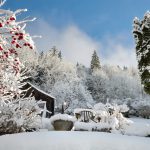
(1, 25)
(1, 48)
(12, 18)
(13, 42)
(11, 50)
(18, 46)
(16, 33)
(20, 38)
(21, 34)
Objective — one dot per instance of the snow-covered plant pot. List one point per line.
(63, 125)
(62, 122)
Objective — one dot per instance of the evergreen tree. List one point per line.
(77, 64)
(95, 63)
(41, 55)
(54, 51)
(141, 32)
(60, 55)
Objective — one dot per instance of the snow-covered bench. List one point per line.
(84, 115)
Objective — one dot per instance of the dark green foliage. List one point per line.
(141, 32)
(60, 55)
(95, 63)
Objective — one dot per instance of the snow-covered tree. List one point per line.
(60, 78)
(74, 93)
(95, 62)
(97, 85)
(13, 106)
(141, 32)
(60, 55)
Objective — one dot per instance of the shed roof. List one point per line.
(41, 91)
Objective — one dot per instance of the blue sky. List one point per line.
(104, 23)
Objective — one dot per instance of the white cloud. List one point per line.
(117, 53)
(77, 46)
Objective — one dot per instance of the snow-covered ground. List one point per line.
(139, 127)
(74, 140)
(53, 140)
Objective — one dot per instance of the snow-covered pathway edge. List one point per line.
(53, 140)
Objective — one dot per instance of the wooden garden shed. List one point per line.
(41, 95)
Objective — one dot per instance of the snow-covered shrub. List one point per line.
(141, 108)
(144, 111)
(111, 114)
(99, 127)
(106, 118)
(19, 115)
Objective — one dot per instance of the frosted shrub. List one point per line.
(18, 115)
(111, 114)
(141, 108)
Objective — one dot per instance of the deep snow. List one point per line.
(53, 140)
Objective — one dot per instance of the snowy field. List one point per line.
(53, 140)
(73, 140)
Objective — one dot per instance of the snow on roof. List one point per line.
(41, 90)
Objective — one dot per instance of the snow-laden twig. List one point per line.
(2, 2)
(7, 12)
(24, 21)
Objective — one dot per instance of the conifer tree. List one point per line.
(60, 55)
(54, 51)
(95, 62)
(141, 32)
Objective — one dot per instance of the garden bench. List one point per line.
(85, 115)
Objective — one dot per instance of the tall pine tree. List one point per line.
(141, 32)
(95, 62)
(60, 55)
